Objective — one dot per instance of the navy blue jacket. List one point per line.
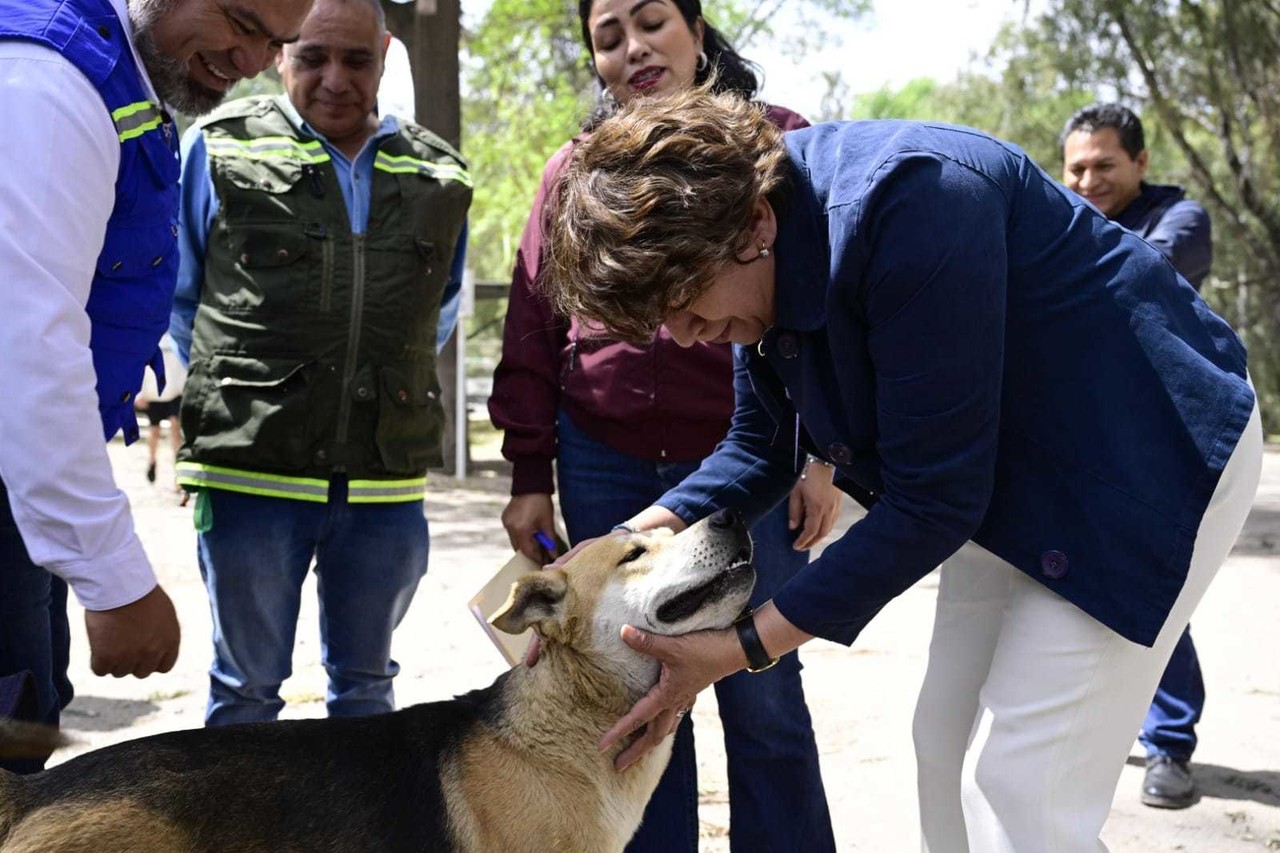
(983, 356)
(1164, 217)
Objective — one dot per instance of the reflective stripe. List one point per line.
(136, 119)
(252, 483)
(412, 165)
(267, 148)
(386, 491)
(298, 488)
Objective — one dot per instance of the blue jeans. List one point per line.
(34, 634)
(368, 561)
(776, 797)
(1170, 726)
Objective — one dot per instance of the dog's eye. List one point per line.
(632, 555)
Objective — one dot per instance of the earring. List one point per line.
(764, 251)
(702, 62)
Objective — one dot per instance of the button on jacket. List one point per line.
(983, 356)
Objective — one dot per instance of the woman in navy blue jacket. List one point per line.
(1018, 390)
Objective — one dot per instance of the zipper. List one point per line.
(353, 337)
(317, 231)
(326, 274)
(569, 364)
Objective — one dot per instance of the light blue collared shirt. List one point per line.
(200, 205)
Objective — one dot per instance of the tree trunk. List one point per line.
(431, 31)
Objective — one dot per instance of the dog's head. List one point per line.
(658, 581)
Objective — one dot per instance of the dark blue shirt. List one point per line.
(983, 356)
(1164, 217)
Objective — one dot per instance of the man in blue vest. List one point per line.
(321, 245)
(88, 254)
(1105, 160)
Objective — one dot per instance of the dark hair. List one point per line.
(1096, 117)
(732, 72)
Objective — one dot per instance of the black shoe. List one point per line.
(151, 473)
(1168, 783)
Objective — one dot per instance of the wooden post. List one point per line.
(431, 31)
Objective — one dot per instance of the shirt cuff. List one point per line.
(111, 581)
(532, 475)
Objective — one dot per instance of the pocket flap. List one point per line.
(398, 387)
(247, 372)
(273, 175)
(262, 248)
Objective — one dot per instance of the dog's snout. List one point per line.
(726, 519)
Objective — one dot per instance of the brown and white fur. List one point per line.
(512, 767)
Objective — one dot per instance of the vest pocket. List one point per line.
(410, 418)
(252, 412)
(274, 270)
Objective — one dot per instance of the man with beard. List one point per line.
(321, 246)
(88, 255)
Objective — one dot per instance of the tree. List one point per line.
(1203, 75)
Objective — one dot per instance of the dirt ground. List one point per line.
(861, 697)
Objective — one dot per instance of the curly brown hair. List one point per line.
(654, 203)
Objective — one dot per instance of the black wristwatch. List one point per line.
(758, 659)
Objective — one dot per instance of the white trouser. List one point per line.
(1029, 706)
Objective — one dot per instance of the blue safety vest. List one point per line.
(132, 290)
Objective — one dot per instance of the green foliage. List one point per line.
(526, 87)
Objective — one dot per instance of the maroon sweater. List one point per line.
(661, 402)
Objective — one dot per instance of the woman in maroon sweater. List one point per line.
(624, 423)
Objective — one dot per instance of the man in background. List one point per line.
(321, 245)
(1105, 160)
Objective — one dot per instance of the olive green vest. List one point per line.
(314, 349)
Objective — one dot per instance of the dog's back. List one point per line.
(356, 784)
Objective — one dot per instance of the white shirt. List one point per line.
(395, 91)
(59, 157)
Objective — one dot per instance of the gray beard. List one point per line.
(171, 78)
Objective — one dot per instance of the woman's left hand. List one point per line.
(815, 504)
(690, 664)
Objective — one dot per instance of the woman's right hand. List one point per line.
(523, 517)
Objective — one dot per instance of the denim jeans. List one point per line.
(34, 634)
(1170, 726)
(776, 797)
(368, 561)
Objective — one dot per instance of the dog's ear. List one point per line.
(534, 598)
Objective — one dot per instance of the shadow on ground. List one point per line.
(99, 714)
(1261, 534)
(1227, 783)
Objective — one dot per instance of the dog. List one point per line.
(511, 767)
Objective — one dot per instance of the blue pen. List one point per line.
(544, 539)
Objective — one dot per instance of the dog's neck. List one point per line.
(568, 684)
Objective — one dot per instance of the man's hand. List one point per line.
(524, 516)
(136, 639)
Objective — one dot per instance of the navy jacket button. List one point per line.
(839, 453)
(1054, 564)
